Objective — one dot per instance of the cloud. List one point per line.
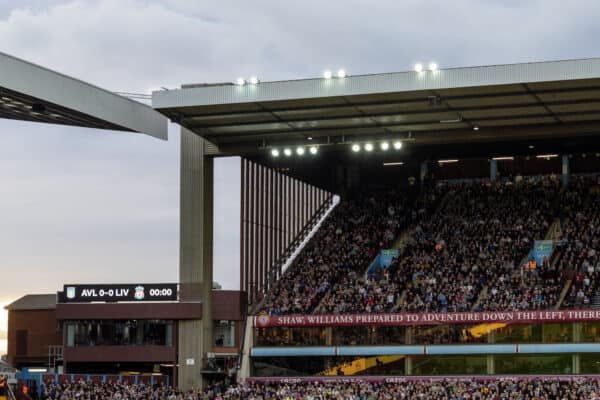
(139, 45)
(86, 205)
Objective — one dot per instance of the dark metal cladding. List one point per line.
(277, 212)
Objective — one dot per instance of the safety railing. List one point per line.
(292, 250)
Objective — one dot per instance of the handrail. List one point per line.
(276, 270)
(563, 294)
(299, 238)
(242, 341)
(482, 296)
(11, 394)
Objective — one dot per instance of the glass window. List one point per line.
(70, 334)
(518, 333)
(448, 334)
(590, 332)
(534, 364)
(351, 335)
(329, 366)
(589, 363)
(388, 335)
(313, 336)
(557, 333)
(368, 335)
(224, 332)
(449, 365)
(120, 333)
(493, 332)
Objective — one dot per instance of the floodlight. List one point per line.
(300, 151)
(547, 156)
(253, 80)
(369, 147)
(355, 148)
(418, 67)
(240, 81)
(327, 74)
(398, 145)
(313, 150)
(287, 152)
(385, 145)
(433, 66)
(341, 73)
(275, 153)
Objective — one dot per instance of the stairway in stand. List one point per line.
(596, 301)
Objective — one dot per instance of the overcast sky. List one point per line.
(81, 205)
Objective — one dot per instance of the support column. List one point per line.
(566, 170)
(493, 170)
(408, 339)
(489, 362)
(423, 173)
(195, 337)
(408, 366)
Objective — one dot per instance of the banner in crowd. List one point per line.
(542, 249)
(404, 379)
(511, 317)
(386, 256)
(383, 259)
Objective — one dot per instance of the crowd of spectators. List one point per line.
(450, 389)
(530, 210)
(501, 389)
(379, 291)
(340, 251)
(463, 237)
(580, 241)
(477, 237)
(81, 390)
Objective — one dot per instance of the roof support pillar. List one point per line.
(493, 170)
(423, 173)
(566, 170)
(195, 337)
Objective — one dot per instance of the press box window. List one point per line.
(224, 332)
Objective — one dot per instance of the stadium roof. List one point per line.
(33, 302)
(539, 100)
(32, 93)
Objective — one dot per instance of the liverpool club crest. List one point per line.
(139, 293)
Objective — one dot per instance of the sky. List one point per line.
(81, 205)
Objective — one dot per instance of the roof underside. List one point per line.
(29, 92)
(508, 102)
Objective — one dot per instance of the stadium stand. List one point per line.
(505, 388)
(580, 239)
(465, 247)
(478, 236)
(524, 214)
(342, 249)
(379, 291)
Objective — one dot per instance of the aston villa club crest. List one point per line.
(71, 292)
(263, 320)
(139, 293)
